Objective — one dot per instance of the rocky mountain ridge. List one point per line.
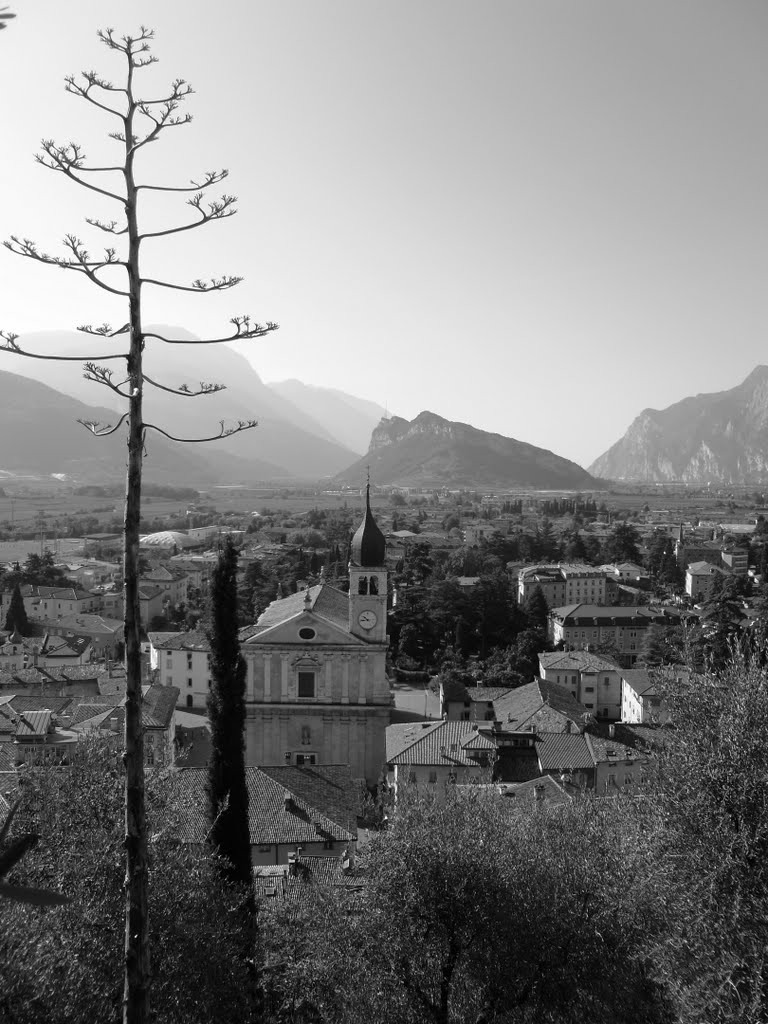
(717, 438)
(430, 451)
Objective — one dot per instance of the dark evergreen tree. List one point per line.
(227, 790)
(16, 617)
(537, 610)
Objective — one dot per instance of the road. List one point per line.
(414, 703)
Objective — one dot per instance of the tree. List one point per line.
(475, 911)
(713, 835)
(622, 544)
(16, 616)
(140, 123)
(64, 966)
(227, 789)
(537, 610)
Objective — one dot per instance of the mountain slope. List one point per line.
(286, 438)
(714, 438)
(434, 452)
(41, 436)
(347, 419)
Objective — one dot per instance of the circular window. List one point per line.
(307, 634)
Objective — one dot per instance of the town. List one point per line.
(401, 648)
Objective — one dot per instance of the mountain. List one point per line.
(347, 419)
(433, 452)
(287, 439)
(717, 438)
(41, 437)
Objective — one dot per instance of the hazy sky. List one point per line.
(538, 217)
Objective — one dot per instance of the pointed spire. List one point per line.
(368, 544)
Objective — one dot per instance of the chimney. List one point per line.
(113, 723)
(611, 731)
(287, 802)
(538, 792)
(568, 725)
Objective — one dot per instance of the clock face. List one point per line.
(367, 619)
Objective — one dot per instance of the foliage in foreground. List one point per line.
(65, 965)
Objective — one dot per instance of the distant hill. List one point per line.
(346, 419)
(434, 452)
(288, 440)
(716, 438)
(41, 437)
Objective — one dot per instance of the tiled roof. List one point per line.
(563, 751)
(446, 744)
(22, 703)
(158, 706)
(329, 787)
(90, 625)
(520, 704)
(597, 615)
(33, 723)
(487, 693)
(195, 640)
(609, 750)
(399, 737)
(275, 814)
(577, 661)
(324, 600)
(640, 680)
(84, 711)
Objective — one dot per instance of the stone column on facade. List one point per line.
(362, 679)
(285, 696)
(328, 688)
(345, 658)
(267, 663)
(285, 744)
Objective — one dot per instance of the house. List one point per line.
(594, 681)
(151, 603)
(641, 701)
(106, 635)
(541, 706)
(173, 582)
(317, 690)
(106, 715)
(700, 578)
(432, 755)
(589, 762)
(182, 660)
(460, 703)
(19, 652)
(736, 560)
(583, 626)
(310, 811)
(46, 603)
(474, 533)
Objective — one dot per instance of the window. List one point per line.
(209, 684)
(189, 700)
(606, 681)
(589, 689)
(306, 633)
(328, 844)
(189, 659)
(306, 685)
(433, 777)
(189, 682)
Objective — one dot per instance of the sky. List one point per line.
(536, 216)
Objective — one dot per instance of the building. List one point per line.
(736, 560)
(19, 652)
(52, 603)
(182, 660)
(592, 680)
(583, 626)
(700, 578)
(567, 583)
(590, 762)
(317, 689)
(641, 701)
(433, 755)
(292, 811)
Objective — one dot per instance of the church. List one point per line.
(317, 689)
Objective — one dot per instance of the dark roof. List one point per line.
(639, 680)
(33, 723)
(275, 813)
(597, 615)
(158, 705)
(22, 703)
(521, 704)
(563, 751)
(195, 640)
(579, 661)
(329, 787)
(369, 546)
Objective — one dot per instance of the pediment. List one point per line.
(287, 633)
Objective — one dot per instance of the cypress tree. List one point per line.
(16, 617)
(227, 789)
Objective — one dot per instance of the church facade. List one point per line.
(317, 690)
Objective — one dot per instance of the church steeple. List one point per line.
(368, 579)
(368, 548)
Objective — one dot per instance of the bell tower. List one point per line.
(368, 579)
